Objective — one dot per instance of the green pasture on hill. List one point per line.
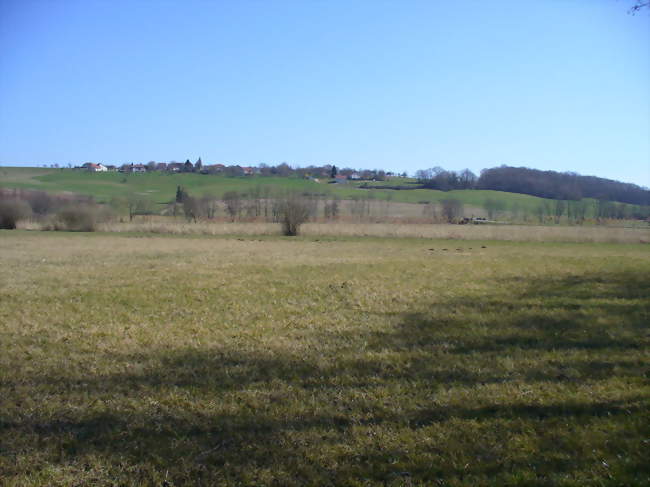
(161, 187)
(138, 360)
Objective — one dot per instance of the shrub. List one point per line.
(41, 202)
(452, 210)
(76, 219)
(11, 212)
(293, 212)
(191, 208)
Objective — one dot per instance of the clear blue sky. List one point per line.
(401, 85)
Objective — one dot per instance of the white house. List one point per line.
(92, 167)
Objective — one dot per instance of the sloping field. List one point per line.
(131, 360)
(161, 187)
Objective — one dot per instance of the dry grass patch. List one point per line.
(319, 361)
(514, 233)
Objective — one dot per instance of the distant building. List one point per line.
(92, 167)
(340, 179)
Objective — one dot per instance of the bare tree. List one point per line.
(452, 210)
(137, 205)
(191, 208)
(429, 211)
(494, 207)
(208, 205)
(639, 5)
(331, 209)
(560, 206)
(387, 201)
(293, 211)
(232, 200)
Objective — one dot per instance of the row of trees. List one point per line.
(443, 180)
(562, 186)
(272, 206)
(290, 209)
(258, 203)
(545, 184)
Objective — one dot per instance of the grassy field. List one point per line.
(160, 188)
(188, 360)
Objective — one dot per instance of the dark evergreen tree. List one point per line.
(188, 167)
(181, 194)
(333, 172)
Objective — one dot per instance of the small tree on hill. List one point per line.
(333, 172)
(188, 166)
(198, 166)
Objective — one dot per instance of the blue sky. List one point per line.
(401, 85)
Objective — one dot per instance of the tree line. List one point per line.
(545, 184)
(562, 186)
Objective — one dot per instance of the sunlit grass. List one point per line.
(261, 360)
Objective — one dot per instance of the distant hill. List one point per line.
(556, 185)
(159, 188)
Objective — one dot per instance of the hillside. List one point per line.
(160, 187)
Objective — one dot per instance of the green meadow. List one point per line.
(149, 360)
(160, 187)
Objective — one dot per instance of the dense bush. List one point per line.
(11, 212)
(76, 219)
(293, 211)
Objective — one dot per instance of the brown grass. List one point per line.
(514, 233)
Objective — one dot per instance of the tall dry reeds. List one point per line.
(518, 233)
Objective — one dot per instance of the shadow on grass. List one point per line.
(269, 411)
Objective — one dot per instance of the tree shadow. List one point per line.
(575, 312)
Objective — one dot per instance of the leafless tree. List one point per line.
(232, 200)
(494, 207)
(191, 208)
(639, 5)
(208, 205)
(331, 209)
(560, 206)
(293, 211)
(137, 205)
(430, 211)
(452, 210)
